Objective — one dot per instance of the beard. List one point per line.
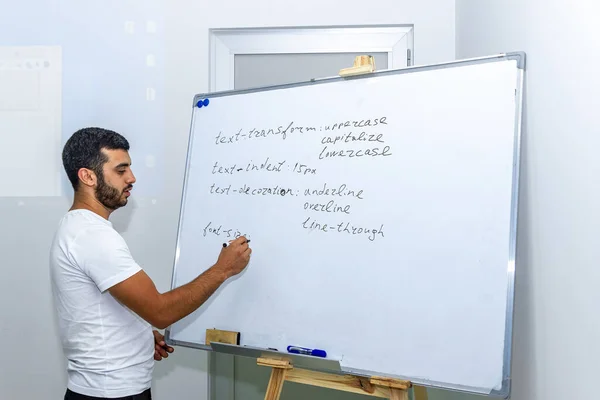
(110, 196)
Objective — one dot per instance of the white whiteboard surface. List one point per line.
(409, 272)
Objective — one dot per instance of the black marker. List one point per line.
(225, 244)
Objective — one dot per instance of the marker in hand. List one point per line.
(227, 244)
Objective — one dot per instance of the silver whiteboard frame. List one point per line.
(519, 57)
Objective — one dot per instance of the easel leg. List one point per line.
(275, 384)
(278, 373)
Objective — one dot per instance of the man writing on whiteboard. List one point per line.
(106, 304)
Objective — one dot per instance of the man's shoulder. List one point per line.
(84, 227)
(80, 222)
(87, 244)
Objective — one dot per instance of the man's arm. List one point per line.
(139, 293)
(161, 310)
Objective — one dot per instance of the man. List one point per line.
(105, 302)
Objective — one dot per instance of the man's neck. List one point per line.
(87, 202)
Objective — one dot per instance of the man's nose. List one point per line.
(131, 179)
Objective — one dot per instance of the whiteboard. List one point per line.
(382, 217)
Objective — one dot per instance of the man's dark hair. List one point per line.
(83, 150)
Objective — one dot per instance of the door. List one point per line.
(247, 58)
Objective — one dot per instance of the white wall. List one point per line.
(105, 77)
(557, 327)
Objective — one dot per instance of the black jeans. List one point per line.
(145, 395)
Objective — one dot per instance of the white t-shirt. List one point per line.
(109, 348)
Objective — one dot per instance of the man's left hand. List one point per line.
(161, 350)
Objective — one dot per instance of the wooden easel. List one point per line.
(282, 370)
(387, 388)
(362, 65)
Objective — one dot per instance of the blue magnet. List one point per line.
(202, 103)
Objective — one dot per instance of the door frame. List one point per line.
(224, 44)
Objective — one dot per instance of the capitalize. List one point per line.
(349, 137)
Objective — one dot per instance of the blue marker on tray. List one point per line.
(309, 352)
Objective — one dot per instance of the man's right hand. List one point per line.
(234, 258)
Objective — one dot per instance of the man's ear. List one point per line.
(87, 177)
